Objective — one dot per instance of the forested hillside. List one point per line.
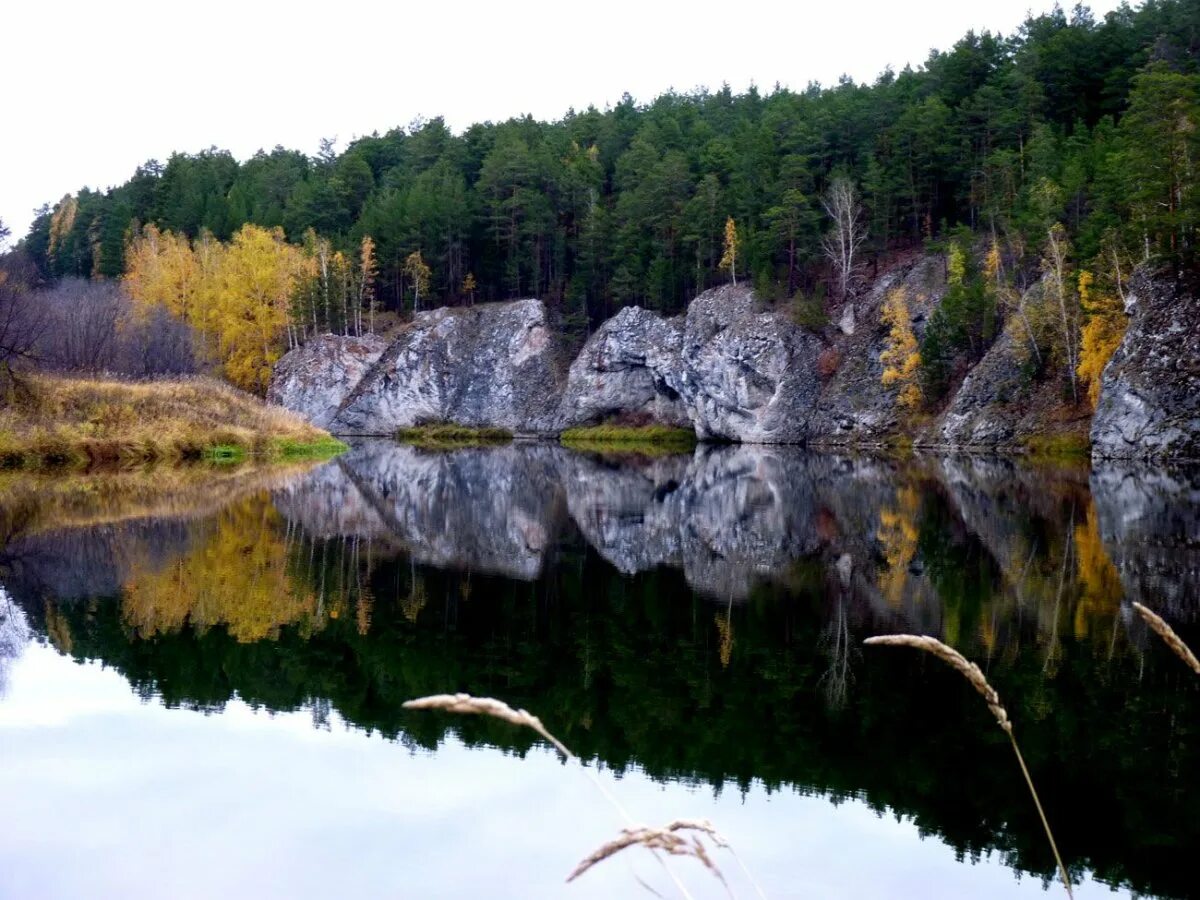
(1070, 146)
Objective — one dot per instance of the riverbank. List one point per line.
(53, 421)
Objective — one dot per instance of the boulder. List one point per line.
(1149, 405)
(493, 365)
(314, 380)
(627, 368)
(746, 375)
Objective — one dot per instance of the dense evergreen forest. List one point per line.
(1073, 120)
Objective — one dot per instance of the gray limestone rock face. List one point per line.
(746, 375)
(1149, 405)
(627, 368)
(314, 379)
(494, 365)
(986, 410)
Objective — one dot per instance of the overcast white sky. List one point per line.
(92, 89)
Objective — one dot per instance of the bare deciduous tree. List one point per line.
(842, 243)
(1054, 265)
(83, 323)
(93, 326)
(22, 319)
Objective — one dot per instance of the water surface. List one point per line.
(203, 672)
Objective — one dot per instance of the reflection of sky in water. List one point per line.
(106, 796)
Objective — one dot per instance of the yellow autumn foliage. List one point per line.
(235, 296)
(729, 256)
(901, 358)
(1101, 334)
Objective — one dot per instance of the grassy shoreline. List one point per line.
(78, 422)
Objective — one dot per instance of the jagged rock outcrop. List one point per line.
(729, 369)
(854, 406)
(1150, 391)
(628, 367)
(733, 370)
(315, 379)
(746, 375)
(490, 365)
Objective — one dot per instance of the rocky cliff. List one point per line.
(630, 366)
(1150, 391)
(734, 369)
(746, 374)
(313, 380)
(854, 406)
(489, 365)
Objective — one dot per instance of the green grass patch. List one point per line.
(322, 448)
(650, 440)
(225, 453)
(447, 436)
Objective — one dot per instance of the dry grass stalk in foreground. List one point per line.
(975, 675)
(654, 839)
(1170, 638)
(666, 839)
(487, 706)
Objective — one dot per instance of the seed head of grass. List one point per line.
(1170, 638)
(667, 838)
(975, 675)
(953, 658)
(488, 706)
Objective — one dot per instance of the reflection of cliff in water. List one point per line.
(700, 617)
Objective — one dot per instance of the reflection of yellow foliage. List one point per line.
(363, 612)
(236, 576)
(898, 534)
(58, 629)
(412, 603)
(725, 632)
(1100, 584)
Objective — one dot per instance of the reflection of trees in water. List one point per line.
(236, 575)
(14, 635)
(642, 669)
(898, 532)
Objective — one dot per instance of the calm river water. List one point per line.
(202, 672)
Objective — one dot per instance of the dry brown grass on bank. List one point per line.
(48, 420)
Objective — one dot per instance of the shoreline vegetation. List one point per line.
(647, 440)
(448, 436)
(52, 421)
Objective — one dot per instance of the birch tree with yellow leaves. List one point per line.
(258, 274)
(236, 296)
